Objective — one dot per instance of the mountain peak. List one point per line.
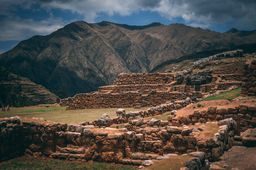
(88, 55)
(233, 30)
(130, 27)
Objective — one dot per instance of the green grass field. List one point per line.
(31, 163)
(228, 95)
(57, 113)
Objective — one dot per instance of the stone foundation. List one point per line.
(150, 89)
(76, 142)
(244, 115)
(115, 100)
(12, 138)
(144, 78)
(249, 85)
(138, 139)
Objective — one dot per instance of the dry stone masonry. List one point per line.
(151, 89)
(138, 139)
(77, 142)
(249, 86)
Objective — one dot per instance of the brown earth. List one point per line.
(207, 130)
(204, 105)
(175, 162)
(237, 158)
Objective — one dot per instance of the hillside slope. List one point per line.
(19, 91)
(81, 57)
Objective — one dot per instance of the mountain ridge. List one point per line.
(82, 56)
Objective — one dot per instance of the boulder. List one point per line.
(154, 122)
(147, 163)
(120, 112)
(173, 129)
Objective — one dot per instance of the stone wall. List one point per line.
(144, 78)
(227, 54)
(12, 140)
(117, 100)
(141, 88)
(205, 88)
(77, 142)
(137, 139)
(151, 89)
(125, 117)
(249, 86)
(245, 116)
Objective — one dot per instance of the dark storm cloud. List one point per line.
(149, 3)
(238, 13)
(222, 10)
(205, 13)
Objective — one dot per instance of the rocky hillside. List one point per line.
(19, 91)
(81, 57)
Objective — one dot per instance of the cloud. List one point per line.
(239, 13)
(204, 13)
(16, 29)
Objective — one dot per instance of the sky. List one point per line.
(21, 19)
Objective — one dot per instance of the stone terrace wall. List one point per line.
(245, 116)
(144, 90)
(141, 88)
(249, 87)
(76, 142)
(129, 90)
(117, 100)
(123, 117)
(144, 78)
(227, 54)
(12, 140)
(205, 88)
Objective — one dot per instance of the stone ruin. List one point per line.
(129, 90)
(249, 85)
(133, 138)
(151, 89)
(227, 54)
(138, 137)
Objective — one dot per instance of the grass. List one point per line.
(28, 163)
(57, 113)
(228, 95)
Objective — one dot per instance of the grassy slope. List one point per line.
(60, 114)
(29, 163)
(229, 95)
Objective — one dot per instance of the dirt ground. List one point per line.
(204, 105)
(237, 158)
(207, 130)
(174, 162)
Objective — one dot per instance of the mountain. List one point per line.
(81, 56)
(19, 91)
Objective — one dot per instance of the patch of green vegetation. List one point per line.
(200, 105)
(46, 109)
(57, 113)
(228, 95)
(28, 163)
